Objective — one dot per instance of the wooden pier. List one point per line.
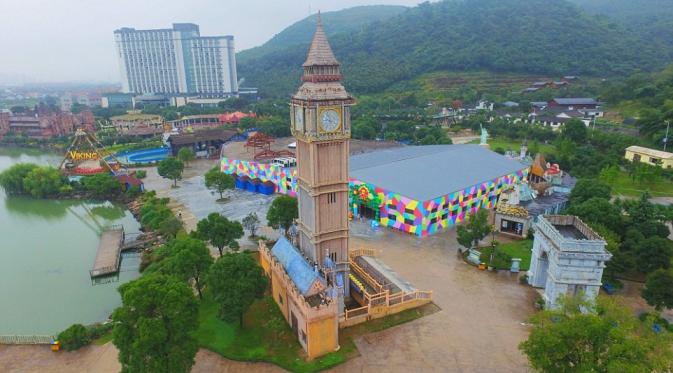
(108, 255)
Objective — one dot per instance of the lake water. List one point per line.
(47, 248)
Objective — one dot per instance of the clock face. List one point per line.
(299, 118)
(330, 120)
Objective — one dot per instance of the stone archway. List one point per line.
(542, 268)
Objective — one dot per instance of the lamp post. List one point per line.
(490, 261)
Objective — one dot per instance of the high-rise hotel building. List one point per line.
(176, 61)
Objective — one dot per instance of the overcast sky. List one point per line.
(71, 40)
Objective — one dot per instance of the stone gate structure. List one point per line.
(568, 258)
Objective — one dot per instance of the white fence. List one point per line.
(25, 339)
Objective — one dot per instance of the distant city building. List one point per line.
(43, 123)
(196, 122)
(136, 124)
(66, 101)
(653, 157)
(176, 61)
(4, 122)
(117, 100)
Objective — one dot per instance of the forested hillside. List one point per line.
(550, 37)
(648, 97)
(347, 20)
(651, 18)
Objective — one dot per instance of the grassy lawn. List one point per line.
(517, 249)
(515, 145)
(105, 338)
(267, 337)
(624, 185)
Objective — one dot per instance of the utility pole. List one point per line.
(668, 123)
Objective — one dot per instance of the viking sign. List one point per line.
(82, 156)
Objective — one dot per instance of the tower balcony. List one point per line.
(317, 78)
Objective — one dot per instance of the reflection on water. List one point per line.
(109, 212)
(47, 248)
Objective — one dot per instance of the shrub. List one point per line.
(523, 279)
(141, 174)
(501, 260)
(98, 330)
(74, 337)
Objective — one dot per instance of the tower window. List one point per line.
(333, 256)
(331, 197)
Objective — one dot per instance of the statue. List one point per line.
(484, 136)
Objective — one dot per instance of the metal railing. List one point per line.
(25, 339)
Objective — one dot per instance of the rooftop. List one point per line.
(300, 272)
(320, 53)
(426, 172)
(202, 135)
(576, 101)
(570, 227)
(136, 116)
(650, 152)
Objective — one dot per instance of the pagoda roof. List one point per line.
(320, 53)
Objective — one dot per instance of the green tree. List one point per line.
(589, 188)
(102, 185)
(43, 182)
(235, 282)
(658, 291)
(644, 175)
(251, 223)
(155, 325)
(474, 230)
(282, 213)
(607, 338)
(171, 168)
(74, 337)
(597, 210)
(218, 181)
(654, 253)
(609, 174)
(11, 180)
(186, 258)
(219, 231)
(186, 155)
(170, 226)
(575, 130)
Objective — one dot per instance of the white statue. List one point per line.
(484, 136)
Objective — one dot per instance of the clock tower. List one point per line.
(320, 119)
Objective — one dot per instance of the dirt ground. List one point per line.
(237, 150)
(479, 326)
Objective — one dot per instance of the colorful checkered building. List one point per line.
(416, 189)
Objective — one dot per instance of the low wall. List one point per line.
(284, 178)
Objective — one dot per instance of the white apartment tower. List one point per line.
(176, 61)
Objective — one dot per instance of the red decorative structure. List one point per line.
(84, 157)
(261, 143)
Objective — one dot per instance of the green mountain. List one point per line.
(651, 18)
(551, 37)
(347, 20)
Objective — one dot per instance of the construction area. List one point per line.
(239, 150)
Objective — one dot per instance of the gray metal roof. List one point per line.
(426, 172)
(576, 101)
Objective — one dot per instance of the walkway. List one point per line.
(109, 249)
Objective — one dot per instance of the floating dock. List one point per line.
(108, 255)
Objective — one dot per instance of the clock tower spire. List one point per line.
(320, 120)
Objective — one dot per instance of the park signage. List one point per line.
(82, 156)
